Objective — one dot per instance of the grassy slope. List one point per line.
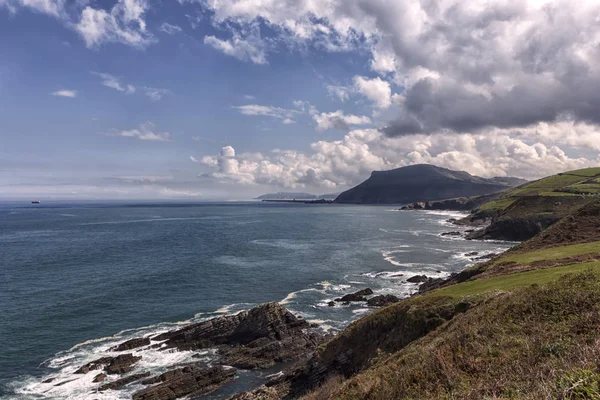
(525, 335)
(569, 184)
(537, 342)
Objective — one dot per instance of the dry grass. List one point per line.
(539, 342)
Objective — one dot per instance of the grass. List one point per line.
(499, 204)
(571, 184)
(553, 253)
(589, 172)
(512, 281)
(536, 342)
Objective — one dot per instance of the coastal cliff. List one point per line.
(522, 325)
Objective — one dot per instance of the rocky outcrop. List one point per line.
(132, 344)
(382, 300)
(120, 364)
(257, 338)
(186, 381)
(514, 229)
(357, 296)
(431, 284)
(119, 383)
(417, 279)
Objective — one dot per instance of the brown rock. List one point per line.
(382, 300)
(132, 344)
(357, 296)
(119, 383)
(96, 364)
(190, 380)
(417, 279)
(99, 378)
(121, 364)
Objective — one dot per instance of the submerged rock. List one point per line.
(190, 380)
(453, 233)
(99, 378)
(382, 300)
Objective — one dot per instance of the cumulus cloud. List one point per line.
(145, 131)
(339, 120)
(376, 90)
(464, 66)
(346, 162)
(243, 47)
(156, 94)
(124, 23)
(113, 82)
(65, 93)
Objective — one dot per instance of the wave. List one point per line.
(293, 295)
(287, 244)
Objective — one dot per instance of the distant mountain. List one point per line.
(286, 196)
(422, 182)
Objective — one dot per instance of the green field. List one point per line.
(513, 281)
(553, 253)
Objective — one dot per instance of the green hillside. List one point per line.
(520, 213)
(524, 325)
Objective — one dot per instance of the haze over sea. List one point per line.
(78, 278)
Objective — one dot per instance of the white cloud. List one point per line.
(124, 23)
(156, 93)
(65, 93)
(113, 82)
(170, 29)
(245, 48)
(51, 7)
(249, 97)
(376, 90)
(267, 111)
(288, 121)
(339, 120)
(144, 132)
(342, 93)
(346, 162)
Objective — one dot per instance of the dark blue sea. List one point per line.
(76, 279)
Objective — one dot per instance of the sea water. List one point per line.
(76, 279)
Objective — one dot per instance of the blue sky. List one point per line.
(227, 99)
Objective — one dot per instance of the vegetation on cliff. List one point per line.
(525, 325)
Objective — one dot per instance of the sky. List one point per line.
(229, 99)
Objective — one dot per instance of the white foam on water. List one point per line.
(456, 214)
(287, 244)
(293, 295)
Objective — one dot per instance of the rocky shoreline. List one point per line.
(260, 338)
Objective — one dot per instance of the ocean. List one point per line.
(79, 278)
